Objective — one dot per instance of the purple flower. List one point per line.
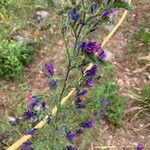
(26, 146)
(79, 103)
(81, 92)
(105, 101)
(69, 147)
(28, 115)
(49, 68)
(32, 103)
(74, 14)
(90, 81)
(92, 71)
(102, 56)
(32, 131)
(70, 135)
(79, 131)
(106, 13)
(92, 47)
(53, 83)
(140, 147)
(87, 124)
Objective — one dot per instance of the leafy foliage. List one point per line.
(13, 57)
(109, 90)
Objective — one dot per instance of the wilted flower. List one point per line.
(49, 68)
(106, 13)
(140, 147)
(92, 47)
(70, 147)
(81, 92)
(92, 71)
(32, 131)
(79, 131)
(26, 146)
(87, 124)
(79, 103)
(93, 7)
(74, 14)
(53, 83)
(70, 135)
(102, 56)
(90, 81)
(43, 105)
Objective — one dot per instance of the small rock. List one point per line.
(19, 38)
(39, 16)
(120, 82)
(109, 55)
(12, 120)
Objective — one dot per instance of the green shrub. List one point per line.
(144, 36)
(13, 57)
(109, 90)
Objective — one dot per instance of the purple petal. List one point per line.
(87, 124)
(106, 13)
(140, 147)
(79, 104)
(92, 47)
(49, 68)
(70, 135)
(90, 81)
(74, 14)
(81, 92)
(102, 56)
(32, 131)
(92, 71)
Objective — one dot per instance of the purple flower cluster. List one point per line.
(91, 48)
(34, 106)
